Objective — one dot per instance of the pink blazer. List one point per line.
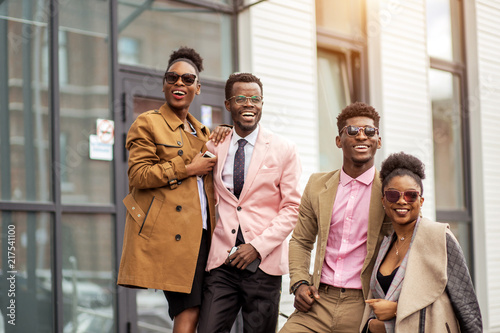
(268, 205)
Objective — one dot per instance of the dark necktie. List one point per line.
(239, 168)
(239, 179)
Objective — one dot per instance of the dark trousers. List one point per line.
(227, 289)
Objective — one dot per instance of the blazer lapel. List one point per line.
(375, 220)
(326, 200)
(259, 153)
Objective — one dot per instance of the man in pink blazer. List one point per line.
(256, 182)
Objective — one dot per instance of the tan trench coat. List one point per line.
(164, 224)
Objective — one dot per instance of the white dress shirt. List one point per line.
(227, 171)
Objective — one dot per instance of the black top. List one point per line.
(386, 280)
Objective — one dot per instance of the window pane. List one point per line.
(333, 96)
(340, 16)
(462, 231)
(150, 30)
(88, 273)
(448, 145)
(26, 298)
(86, 177)
(444, 29)
(25, 173)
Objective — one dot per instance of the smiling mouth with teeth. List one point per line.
(248, 114)
(179, 93)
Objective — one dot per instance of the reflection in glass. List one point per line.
(25, 173)
(26, 260)
(84, 99)
(443, 29)
(448, 146)
(340, 16)
(151, 30)
(88, 273)
(333, 96)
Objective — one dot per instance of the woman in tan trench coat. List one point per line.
(170, 207)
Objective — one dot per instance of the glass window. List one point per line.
(84, 99)
(347, 18)
(333, 96)
(88, 273)
(159, 27)
(443, 29)
(25, 275)
(448, 145)
(25, 173)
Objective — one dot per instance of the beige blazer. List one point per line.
(315, 215)
(164, 225)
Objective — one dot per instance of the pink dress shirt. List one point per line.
(346, 245)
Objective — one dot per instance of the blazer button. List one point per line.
(239, 208)
(180, 152)
(177, 237)
(233, 231)
(178, 208)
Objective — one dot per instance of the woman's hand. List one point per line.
(376, 326)
(219, 134)
(383, 309)
(200, 165)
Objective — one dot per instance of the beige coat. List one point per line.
(424, 284)
(314, 219)
(163, 225)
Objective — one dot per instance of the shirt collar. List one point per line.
(251, 138)
(365, 178)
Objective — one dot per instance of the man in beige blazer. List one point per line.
(342, 210)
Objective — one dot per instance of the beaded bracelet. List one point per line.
(297, 285)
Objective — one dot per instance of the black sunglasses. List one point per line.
(187, 79)
(393, 196)
(354, 130)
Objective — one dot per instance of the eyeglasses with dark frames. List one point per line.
(242, 100)
(187, 78)
(394, 195)
(354, 130)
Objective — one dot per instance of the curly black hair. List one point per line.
(401, 164)
(186, 53)
(357, 109)
(241, 77)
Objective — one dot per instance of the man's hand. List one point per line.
(200, 165)
(243, 257)
(305, 296)
(383, 309)
(219, 134)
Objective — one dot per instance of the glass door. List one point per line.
(146, 311)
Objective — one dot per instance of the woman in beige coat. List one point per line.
(420, 281)
(170, 207)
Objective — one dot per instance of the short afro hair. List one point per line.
(401, 164)
(240, 77)
(186, 53)
(357, 109)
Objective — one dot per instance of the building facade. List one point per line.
(75, 74)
